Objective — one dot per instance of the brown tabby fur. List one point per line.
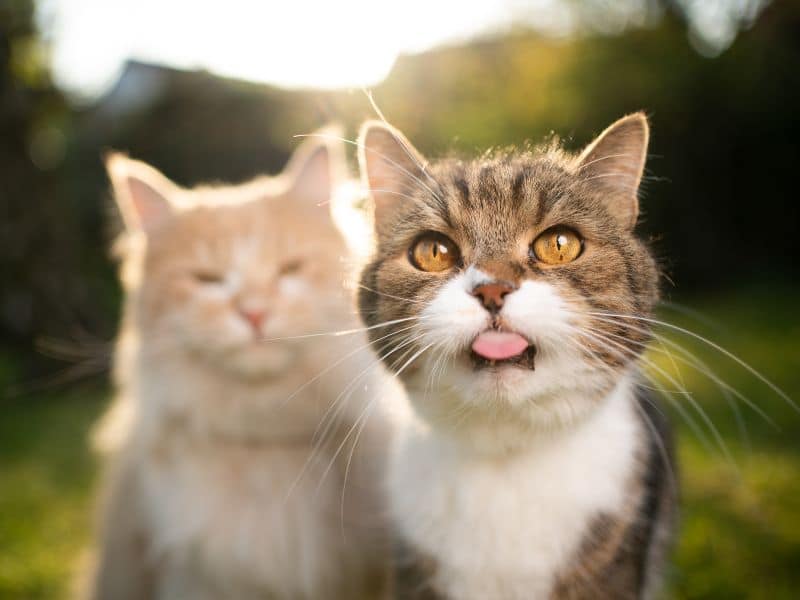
(493, 207)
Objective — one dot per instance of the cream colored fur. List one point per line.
(232, 470)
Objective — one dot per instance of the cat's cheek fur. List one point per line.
(455, 317)
(526, 400)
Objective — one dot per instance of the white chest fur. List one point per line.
(502, 527)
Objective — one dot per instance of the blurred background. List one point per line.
(216, 92)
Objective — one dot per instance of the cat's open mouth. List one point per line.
(493, 348)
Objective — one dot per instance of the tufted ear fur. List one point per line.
(615, 163)
(390, 167)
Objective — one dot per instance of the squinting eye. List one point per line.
(291, 266)
(434, 252)
(557, 246)
(210, 277)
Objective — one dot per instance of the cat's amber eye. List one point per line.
(557, 246)
(207, 276)
(434, 252)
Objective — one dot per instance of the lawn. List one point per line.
(740, 524)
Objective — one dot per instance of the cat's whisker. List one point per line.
(393, 192)
(414, 159)
(631, 354)
(387, 295)
(687, 417)
(329, 368)
(627, 354)
(692, 313)
(711, 344)
(376, 153)
(364, 411)
(701, 367)
(662, 446)
(335, 407)
(347, 465)
(341, 332)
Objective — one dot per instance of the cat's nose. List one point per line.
(255, 317)
(492, 295)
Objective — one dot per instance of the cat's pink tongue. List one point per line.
(499, 345)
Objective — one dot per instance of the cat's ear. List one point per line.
(142, 193)
(317, 166)
(615, 162)
(391, 168)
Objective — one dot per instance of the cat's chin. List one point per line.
(254, 362)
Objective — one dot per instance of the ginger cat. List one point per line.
(216, 485)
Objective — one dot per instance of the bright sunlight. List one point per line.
(303, 43)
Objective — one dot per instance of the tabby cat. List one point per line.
(536, 465)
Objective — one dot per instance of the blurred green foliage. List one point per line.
(718, 201)
(38, 232)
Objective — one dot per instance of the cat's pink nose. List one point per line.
(492, 295)
(255, 317)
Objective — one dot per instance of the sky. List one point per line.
(313, 43)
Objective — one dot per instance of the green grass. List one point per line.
(46, 476)
(740, 524)
(740, 534)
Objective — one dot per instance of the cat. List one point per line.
(535, 466)
(230, 474)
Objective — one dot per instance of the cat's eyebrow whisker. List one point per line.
(408, 152)
(380, 154)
